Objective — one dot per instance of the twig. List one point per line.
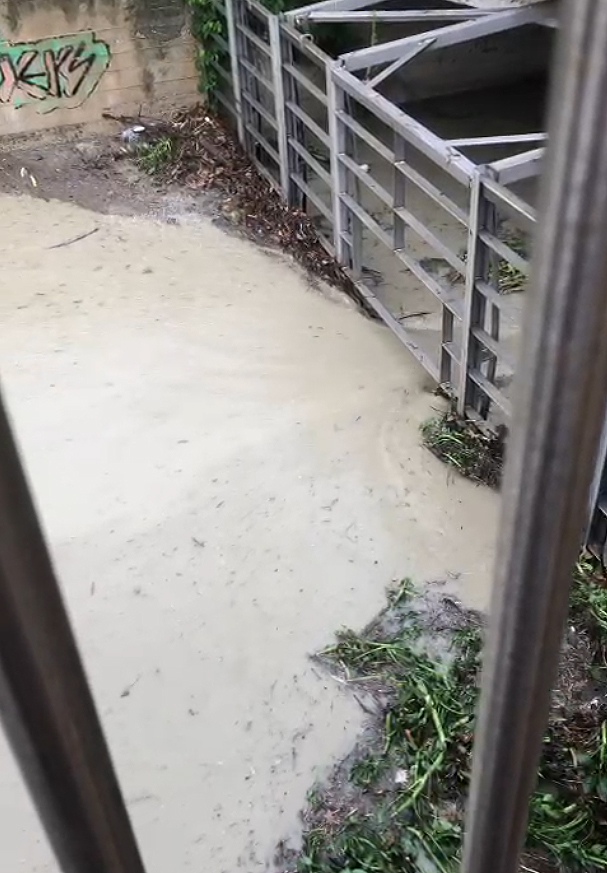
(413, 315)
(130, 687)
(74, 239)
(364, 708)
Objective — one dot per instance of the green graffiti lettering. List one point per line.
(61, 71)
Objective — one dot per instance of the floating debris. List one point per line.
(475, 453)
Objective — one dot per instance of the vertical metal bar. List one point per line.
(446, 340)
(478, 266)
(400, 190)
(558, 419)
(46, 705)
(236, 85)
(494, 332)
(353, 188)
(294, 129)
(279, 102)
(335, 106)
(600, 475)
(463, 392)
(489, 266)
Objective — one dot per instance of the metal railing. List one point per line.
(380, 187)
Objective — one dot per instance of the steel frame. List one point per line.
(338, 16)
(299, 115)
(444, 37)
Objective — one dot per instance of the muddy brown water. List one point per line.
(228, 466)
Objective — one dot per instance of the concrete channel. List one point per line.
(228, 466)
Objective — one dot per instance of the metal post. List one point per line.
(558, 419)
(233, 44)
(399, 183)
(341, 142)
(598, 479)
(279, 102)
(446, 345)
(489, 264)
(335, 105)
(470, 295)
(294, 130)
(46, 705)
(353, 189)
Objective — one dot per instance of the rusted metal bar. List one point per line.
(558, 419)
(46, 705)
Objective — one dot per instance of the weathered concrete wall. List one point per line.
(482, 63)
(65, 62)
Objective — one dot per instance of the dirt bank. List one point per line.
(228, 466)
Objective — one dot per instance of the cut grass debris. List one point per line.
(154, 157)
(397, 803)
(509, 279)
(459, 443)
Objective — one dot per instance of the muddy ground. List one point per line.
(96, 173)
(227, 461)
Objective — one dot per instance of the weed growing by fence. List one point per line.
(154, 157)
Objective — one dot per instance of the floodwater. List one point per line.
(228, 466)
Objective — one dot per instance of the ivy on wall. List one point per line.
(206, 22)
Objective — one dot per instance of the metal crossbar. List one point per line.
(442, 37)
(414, 16)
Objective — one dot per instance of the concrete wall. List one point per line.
(64, 62)
(482, 63)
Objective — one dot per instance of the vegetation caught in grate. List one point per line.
(509, 279)
(397, 803)
(474, 453)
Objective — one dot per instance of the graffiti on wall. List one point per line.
(49, 73)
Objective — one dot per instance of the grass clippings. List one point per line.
(509, 279)
(396, 805)
(476, 454)
(195, 148)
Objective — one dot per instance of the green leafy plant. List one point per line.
(207, 23)
(154, 157)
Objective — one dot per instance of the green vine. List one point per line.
(206, 24)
